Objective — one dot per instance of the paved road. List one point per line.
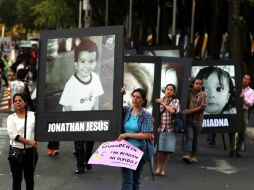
(214, 171)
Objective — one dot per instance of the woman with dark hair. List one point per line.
(138, 128)
(167, 139)
(18, 123)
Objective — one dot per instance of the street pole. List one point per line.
(3, 29)
(191, 50)
(106, 17)
(158, 22)
(79, 15)
(130, 23)
(174, 23)
(86, 8)
(192, 20)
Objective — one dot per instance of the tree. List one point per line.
(8, 16)
(53, 14)
(24, 16)
(239, 44)
(218, 26)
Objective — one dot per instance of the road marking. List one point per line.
(222, 166)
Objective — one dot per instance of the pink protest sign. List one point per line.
(118, 154)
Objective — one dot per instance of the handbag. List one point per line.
(17, 154)
(178, 123)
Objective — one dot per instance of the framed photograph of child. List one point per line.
(79, 84)
(176, 71)
(140, 72)
(153, 73)
(222, 83)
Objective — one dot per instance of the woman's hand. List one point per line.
(32, 143)
(122, 136)
(160, 101)
(123, 91)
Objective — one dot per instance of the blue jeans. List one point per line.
(191, 139)
(210, 138)
(131, 178)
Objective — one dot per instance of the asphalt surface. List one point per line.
(214, 171)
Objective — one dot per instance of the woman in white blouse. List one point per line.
(15, 129)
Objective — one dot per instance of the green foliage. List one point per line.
(53, 14)
(24, 9)
(8, 12)
(251, 3)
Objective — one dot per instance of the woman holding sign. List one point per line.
(138, 128)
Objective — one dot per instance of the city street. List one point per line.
(75, 58)
(215, 169)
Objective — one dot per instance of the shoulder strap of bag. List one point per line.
(165, 108)
(25, 127)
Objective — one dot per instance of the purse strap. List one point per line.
(165, 108)
(25, 127)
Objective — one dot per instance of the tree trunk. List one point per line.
(235, 33)
(215, 36)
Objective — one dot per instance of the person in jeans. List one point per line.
(197, 102)
(138, 128)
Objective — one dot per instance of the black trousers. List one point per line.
(84, 150)
(27, 167)
(238, 142)
(53, 145)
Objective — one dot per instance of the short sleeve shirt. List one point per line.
(17, 87)
(15, 126)
(145, 124)
(81, 96)
(196, 99)
(166, 117)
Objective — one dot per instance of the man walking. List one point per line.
(197, 102)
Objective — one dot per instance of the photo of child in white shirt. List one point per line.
(82, 90)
